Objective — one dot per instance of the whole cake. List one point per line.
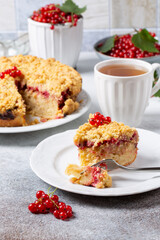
(100, 138)
(45, 88)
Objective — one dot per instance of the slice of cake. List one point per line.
(12, 107)
(101, 138)
(89, 176)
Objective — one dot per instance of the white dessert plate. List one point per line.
(85, 102)
(51, 157)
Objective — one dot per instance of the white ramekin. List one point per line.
(63, 43)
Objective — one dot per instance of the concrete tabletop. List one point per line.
(134, 217)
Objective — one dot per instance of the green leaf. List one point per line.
(108, 45)
(144, 41)
(157, 94)
(156, 76)
(70, 7)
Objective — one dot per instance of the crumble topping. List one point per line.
(91, 133)
(49, 74)
(70, 106)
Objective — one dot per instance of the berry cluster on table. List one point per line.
(49, 203)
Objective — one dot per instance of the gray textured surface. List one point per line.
(96, 218)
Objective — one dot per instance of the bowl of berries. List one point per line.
(141, 44)
(55, 31)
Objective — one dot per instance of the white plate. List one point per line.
(84, 106)
(51, 157)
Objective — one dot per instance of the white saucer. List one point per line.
(52, 155)
(85, 102)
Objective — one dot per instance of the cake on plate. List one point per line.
(89, 176)
(100, 138)
(49, 88)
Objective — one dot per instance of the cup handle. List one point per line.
(157, 85)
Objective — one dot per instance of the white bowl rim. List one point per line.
(47, 25)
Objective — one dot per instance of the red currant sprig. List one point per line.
(53, 15)
(98, 120)
(46, 203)
(14, 72)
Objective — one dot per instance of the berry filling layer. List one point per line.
(88, 144)
(61, 101)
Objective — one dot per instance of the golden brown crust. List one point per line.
(16, 122)
(10, 97)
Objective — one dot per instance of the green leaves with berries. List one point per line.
(141, 39)
(70, 7)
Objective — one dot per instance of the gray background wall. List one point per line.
(103, 17)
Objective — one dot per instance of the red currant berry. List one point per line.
(68, 208)
(44, 197)
(39, 194)
(48, 203)
(18, 73)
(37, 202)
(56, 214)
(97, 115)
(14, 68)
(44, 20)
(92, 121)
(69, 213)
(56, 16)
(53, 208)
(52, 26)
(61, 204)
(63, 14)
(41, 208)
(55, 198)
(69, 18)
(8, 71)
(33, 208)
(63, 215)
(99, 122)
(108, 119)
(57, 10)
(13, 74)
(62, 208)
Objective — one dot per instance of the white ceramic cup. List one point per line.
(124, 99)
